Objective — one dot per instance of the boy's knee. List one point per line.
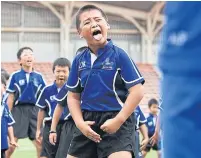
(37, 145)
(10, 151)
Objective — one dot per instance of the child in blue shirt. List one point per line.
(47, 104)
(140, 125)
(104, 87)
(180, 64)
(24, 87)
(6, 121)
(151, 124)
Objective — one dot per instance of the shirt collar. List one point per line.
(22, 70)
(105, 48)
(151, 115)
(55, 86)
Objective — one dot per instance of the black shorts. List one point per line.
(122, 140)
(49, 150)
(25, 121)
(65, 138)
(156, 147)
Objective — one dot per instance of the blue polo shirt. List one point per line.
(27, 86)
(139, 117)
(180, 49)
(103, 80)
(61, 97)
(151, 124)
(47, 101)
(6, 121)
(180, 63)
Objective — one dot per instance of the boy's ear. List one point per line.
(79, 32)
(19, 61)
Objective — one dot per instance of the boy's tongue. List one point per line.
(98, 37)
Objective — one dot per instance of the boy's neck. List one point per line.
(59, 84)
(153, 114)
(27, 69)
(94, 48)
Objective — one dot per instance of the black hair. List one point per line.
(61, 62)
(87, 8)
(3, 80)
(19, 53)
(5, 73)
(80, 50)
(152, 101)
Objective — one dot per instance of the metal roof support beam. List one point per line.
(68, 9)
(153, 9)
(158, 8)
(21, 34)
(158, 29)
(57, 30)
(139, 27)
(52, 8)
(22, 29)
(115, 10)
(112, 9)
(149, 42)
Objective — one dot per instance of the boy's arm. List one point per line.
(40, 118)
(10, 101)
(73, 99)
(11, 90)
(135, 95)
(11, 136)
(145, 140)
(56, 116)
(133, 81)
(76, 113)
(41, 103)
(154, 139)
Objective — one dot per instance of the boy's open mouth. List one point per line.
(97, 35)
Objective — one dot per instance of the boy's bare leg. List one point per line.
(120, 154)
(11, 149)
(38, 148)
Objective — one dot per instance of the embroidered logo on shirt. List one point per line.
(22, 82)
(52, 98)
(82, 65)
(150, 123)
(107, 64)
(178, 39)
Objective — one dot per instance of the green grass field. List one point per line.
(27, 150)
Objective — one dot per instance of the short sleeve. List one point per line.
(62, 93)
(143, 120)
(129, 71)
(11, 84)
(63, 102)
(43, 83)
(11, 120)
(73, 82)
(41, 103)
